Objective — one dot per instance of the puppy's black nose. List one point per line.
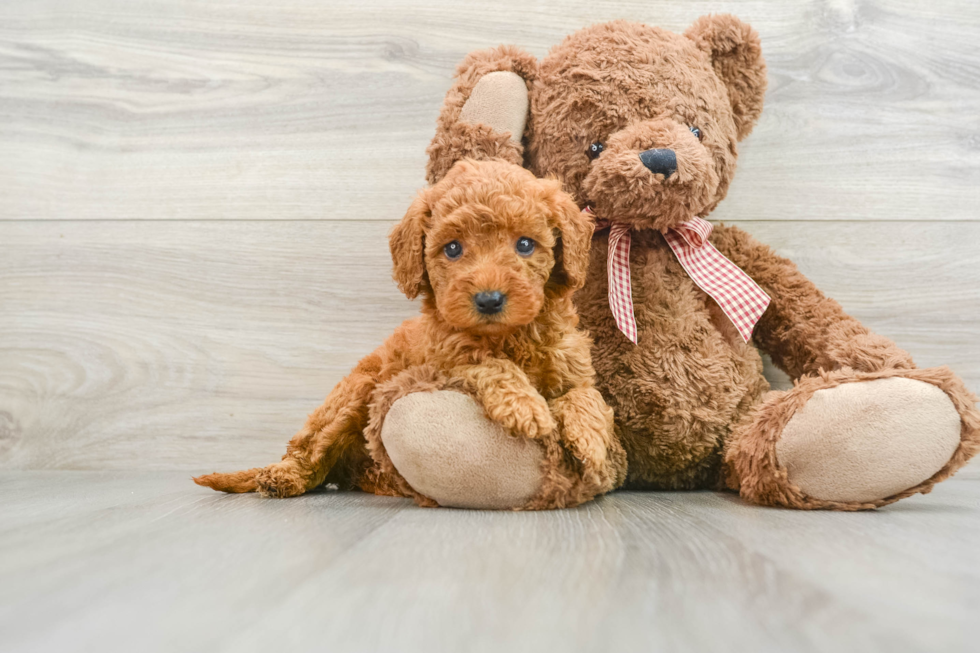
(489, 303)
(661, 162)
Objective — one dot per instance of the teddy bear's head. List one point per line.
(642, 124)
(639, 123)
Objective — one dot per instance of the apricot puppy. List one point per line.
(495, 254)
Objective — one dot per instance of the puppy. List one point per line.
(495, 254)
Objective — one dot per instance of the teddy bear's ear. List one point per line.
(485, 112)
(575, 239)
(407, 244)
(736, 54)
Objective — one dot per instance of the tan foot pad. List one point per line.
(499, 100)
(869, 440)
(448, 450)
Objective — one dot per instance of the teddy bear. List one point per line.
(641, 125)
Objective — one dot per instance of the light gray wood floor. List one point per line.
(149, 562)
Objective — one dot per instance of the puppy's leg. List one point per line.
(332, 429)
(507, 396)
(583, 456)
(585, 427)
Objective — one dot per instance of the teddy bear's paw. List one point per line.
(444, 446)
(866, 441)
(500, 101)
(527, 415)
(280, 481)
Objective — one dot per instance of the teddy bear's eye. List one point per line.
(525, 246)
(595, 150)
(697, 132)
(453, 250)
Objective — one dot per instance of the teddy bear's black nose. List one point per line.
(661, 162)
(489, 303)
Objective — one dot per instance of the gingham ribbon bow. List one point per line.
(741, 298)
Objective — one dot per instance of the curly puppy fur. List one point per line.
(528, 365)
(692, 406)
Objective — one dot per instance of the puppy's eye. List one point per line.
(525, 246)
(697, 132)
(594, 151)
(453, 250)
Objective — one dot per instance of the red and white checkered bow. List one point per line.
(741, 298)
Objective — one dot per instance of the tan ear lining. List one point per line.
(485, 112)
(500, 101)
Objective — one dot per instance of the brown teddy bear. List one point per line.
(641, 125)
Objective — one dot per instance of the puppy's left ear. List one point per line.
(407, 244)
(736, 55)
(572, 248)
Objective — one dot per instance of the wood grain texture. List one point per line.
(194, 196)
(322, 110)
(163, 345)
(150, 562)
(194, 199)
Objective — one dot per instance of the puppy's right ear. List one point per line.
(485, 113)
(407, 244)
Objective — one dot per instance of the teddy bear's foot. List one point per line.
(854, 441)
(867, 441)
(432, 441)
(447, 449)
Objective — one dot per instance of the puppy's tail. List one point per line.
(235, 482)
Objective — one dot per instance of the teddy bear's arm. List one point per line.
(485, 112)
(803, 330)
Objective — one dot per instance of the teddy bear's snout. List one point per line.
(660, 161)
(652, 173)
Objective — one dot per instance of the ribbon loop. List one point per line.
(695, 231)
(741, 298)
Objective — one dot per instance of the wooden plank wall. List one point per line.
(194, 196)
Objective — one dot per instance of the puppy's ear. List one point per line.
(575, 239)
(736, 55)
(407, 244)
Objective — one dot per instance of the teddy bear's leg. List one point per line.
(851, 440)
(433, 441)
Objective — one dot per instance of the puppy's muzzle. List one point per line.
(489, 303)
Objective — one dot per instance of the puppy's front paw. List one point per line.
(525, 415)
(280, 481)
